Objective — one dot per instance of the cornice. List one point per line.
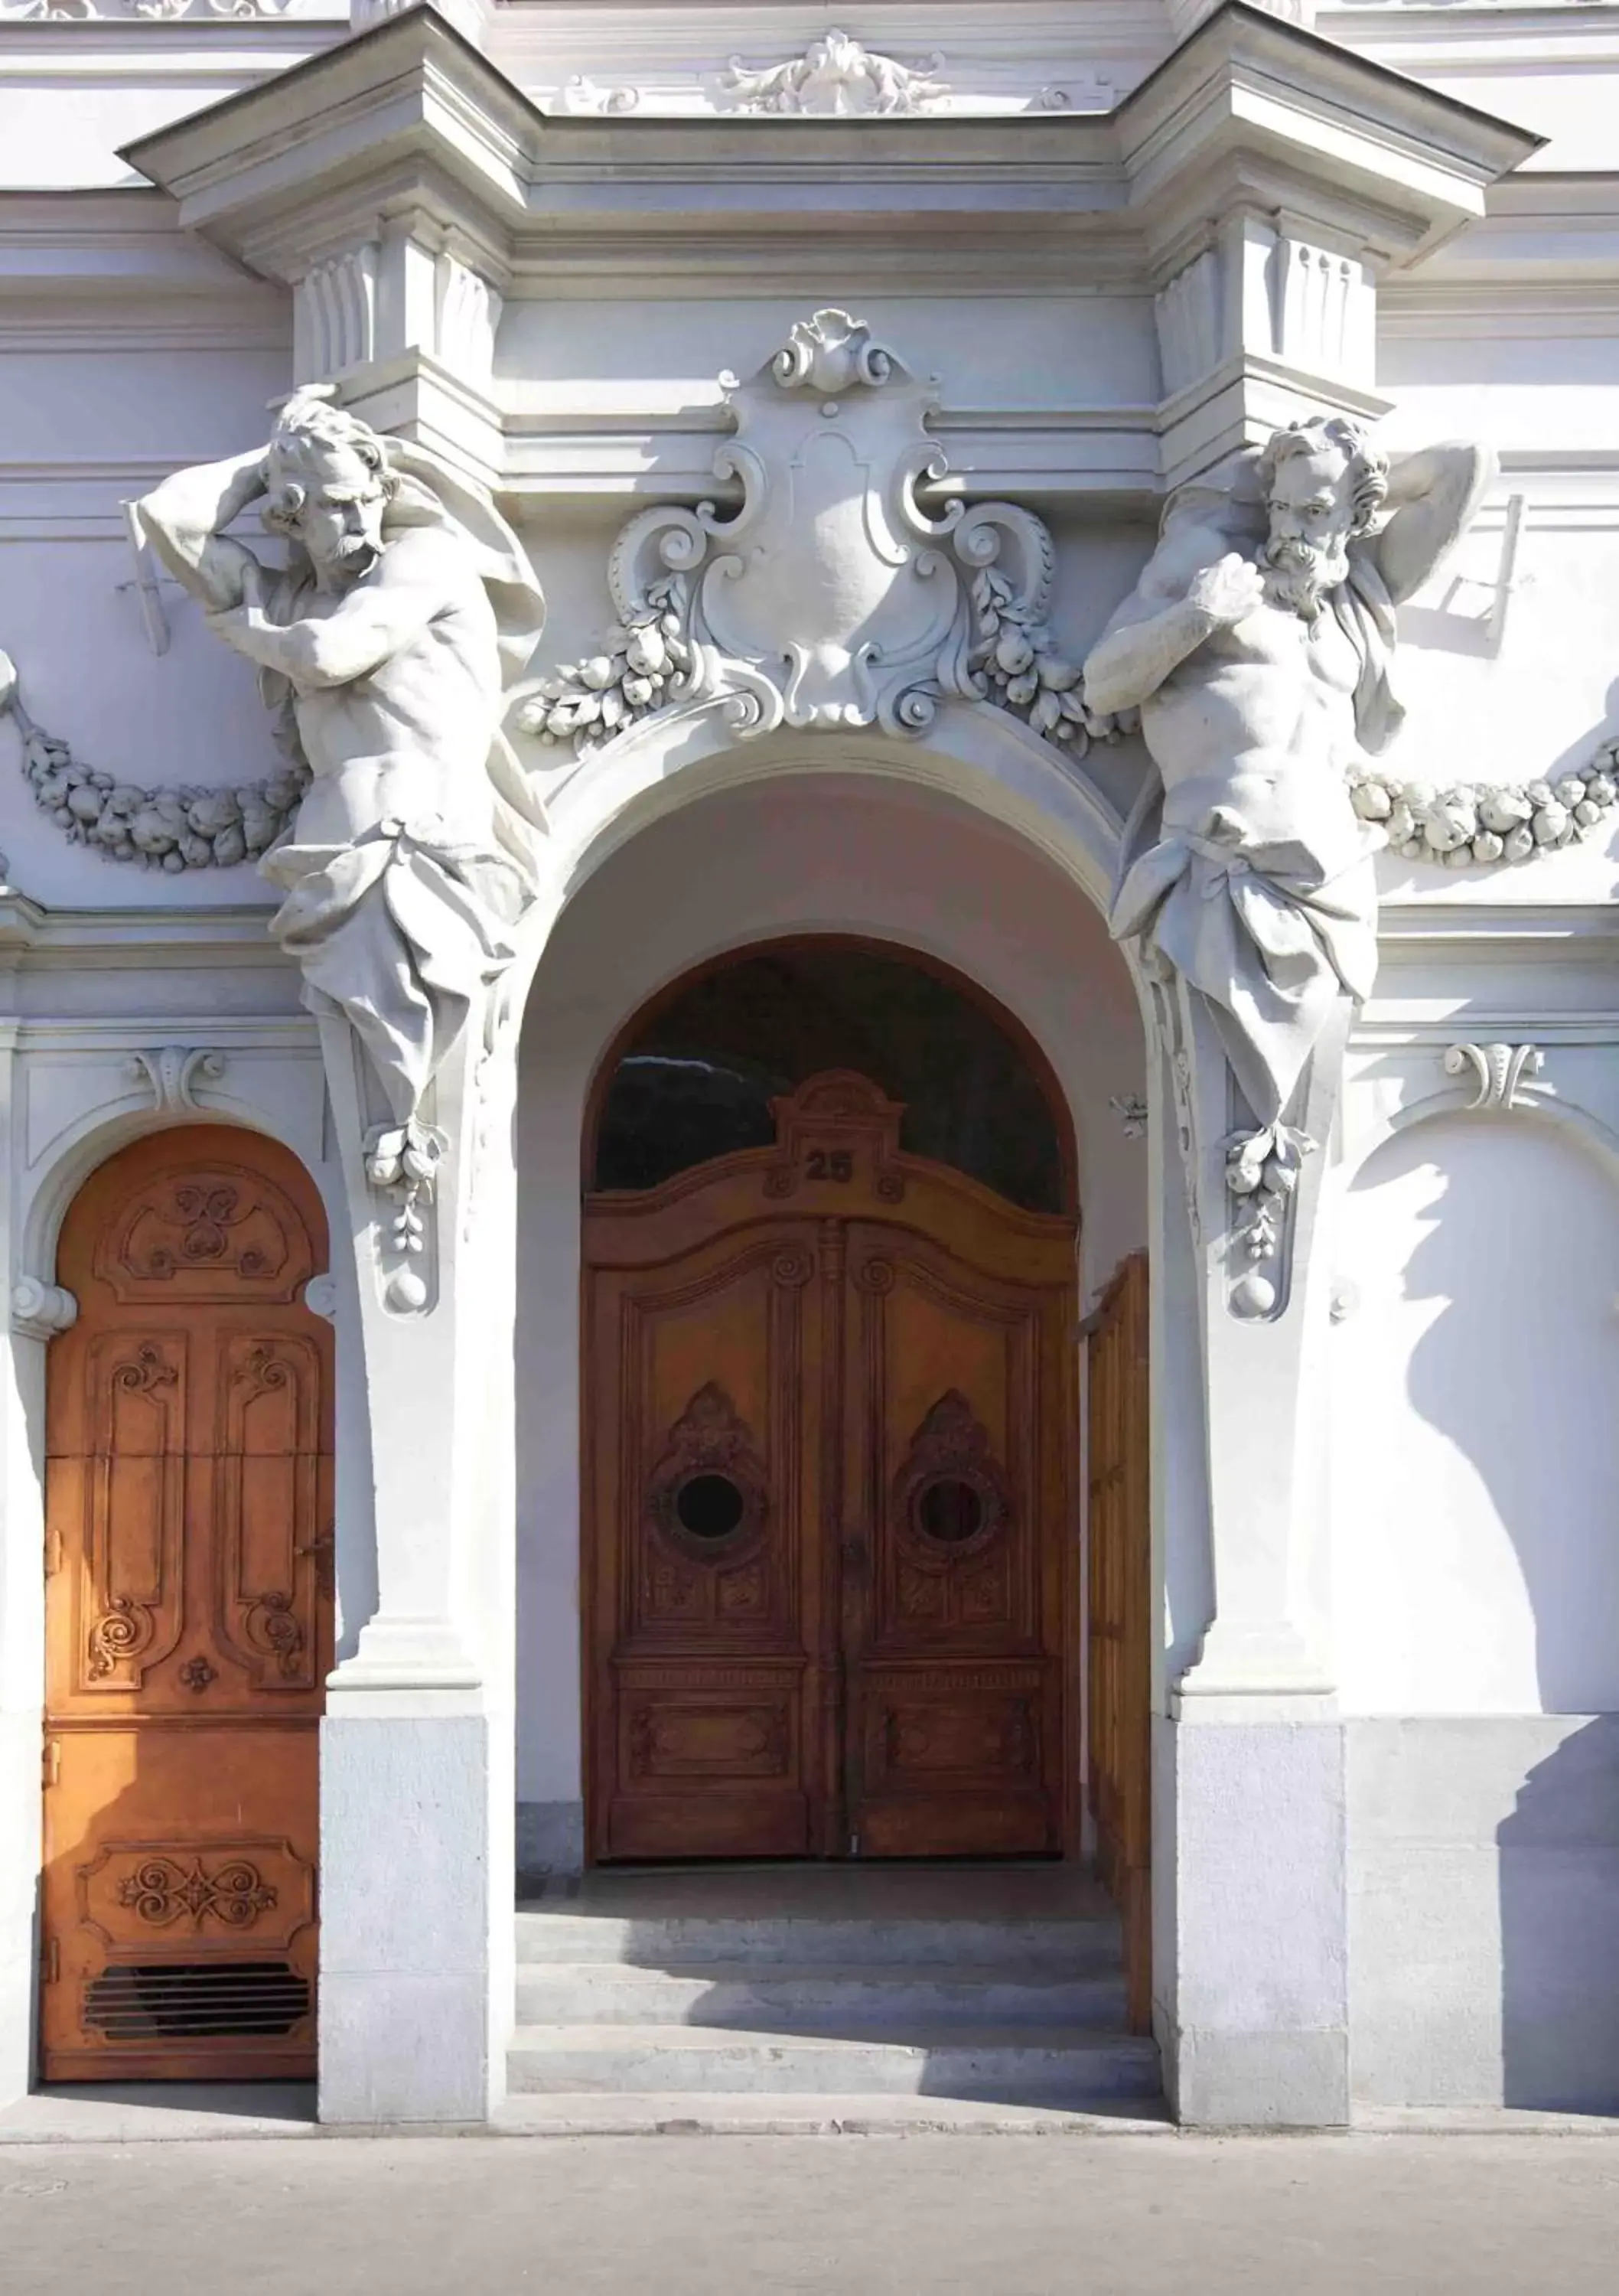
(115, 937)
(1547, 930)
(411, 87)
(1248, 84)
(1479, 39)
(411, 109)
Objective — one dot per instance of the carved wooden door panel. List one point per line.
(828, 1424)
(188, 1617)
(1120, 1615)
(705, 1634)
(958, 1515)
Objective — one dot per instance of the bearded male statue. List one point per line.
(1258, 644)
(385, 645)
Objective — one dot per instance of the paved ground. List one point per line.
(915, 2216)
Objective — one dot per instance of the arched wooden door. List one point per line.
(188, 1617)
(828, 1435)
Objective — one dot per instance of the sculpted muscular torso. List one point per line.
(1259, 672)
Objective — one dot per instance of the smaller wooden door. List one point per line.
(1121, 1616)
(188, 1617)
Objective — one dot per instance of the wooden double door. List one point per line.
(188, 1617)
(830, 1505)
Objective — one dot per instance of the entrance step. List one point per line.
(1006, 2064)
(699, 2113)
(1052, 1948)
(817, 1997)
(1001, 1987)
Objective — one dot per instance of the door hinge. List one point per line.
(50, 1761)
(50, 1960)
(53, 1550)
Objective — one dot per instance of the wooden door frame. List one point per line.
(1072, 1802)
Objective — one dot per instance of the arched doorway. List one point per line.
(830, 1494)
(188, 1617)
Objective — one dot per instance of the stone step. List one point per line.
(674, 2112)
(1087, 1945)
(1070, 2066)
(813, 1998)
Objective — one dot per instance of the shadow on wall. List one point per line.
(1478, 1571)
(1560, 1915)
(1485, 1575)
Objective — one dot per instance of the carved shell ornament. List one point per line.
(831, 597)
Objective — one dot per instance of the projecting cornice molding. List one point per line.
(356, 123)
(1261, 182)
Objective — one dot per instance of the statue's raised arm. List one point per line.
(184, 520)
(1432, 497)
(385, 644)
(1259, 645)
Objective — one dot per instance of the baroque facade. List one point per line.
(954, 655)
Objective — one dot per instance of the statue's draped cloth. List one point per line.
(1260, 888)
(402, 930)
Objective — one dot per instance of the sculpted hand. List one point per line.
(1228, 591)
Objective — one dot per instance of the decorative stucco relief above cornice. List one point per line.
(67, 12)
(836, 75)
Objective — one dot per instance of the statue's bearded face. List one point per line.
(339, 521)
(1313, 516)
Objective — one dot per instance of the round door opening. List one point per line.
(710, 1506)
(950, 1510)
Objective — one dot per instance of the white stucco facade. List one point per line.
(542, 240)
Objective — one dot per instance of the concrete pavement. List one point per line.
(1118, 2215)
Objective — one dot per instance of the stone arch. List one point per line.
(86, 1143)
(970, 751)
(1533, 1105)
(612, 946)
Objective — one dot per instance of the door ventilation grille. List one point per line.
(196, 2000)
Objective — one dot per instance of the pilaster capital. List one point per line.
(1276, 178)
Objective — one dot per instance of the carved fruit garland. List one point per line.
(1483, 824)
(173, 829)
(644, 662)
(402, 1163)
